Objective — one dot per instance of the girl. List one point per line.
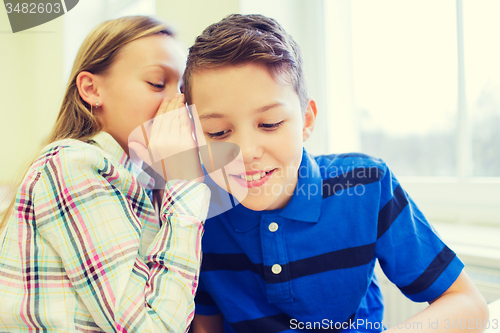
(85, 249)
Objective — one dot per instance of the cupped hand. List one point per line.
(167, 142)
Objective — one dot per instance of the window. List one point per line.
(482, 84)
(418, 84)
(405, 74)
(385, 75)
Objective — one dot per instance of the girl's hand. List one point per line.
(167, 144)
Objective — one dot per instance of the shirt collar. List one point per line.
(305, 204)
(113, 149)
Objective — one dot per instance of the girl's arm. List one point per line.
(94, 214)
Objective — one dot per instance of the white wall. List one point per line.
(190, 17)
(30, 90)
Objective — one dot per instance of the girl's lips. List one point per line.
(253, 183)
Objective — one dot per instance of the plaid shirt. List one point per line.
(83, 249)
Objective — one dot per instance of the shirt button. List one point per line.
(273, 227)
(276, 269)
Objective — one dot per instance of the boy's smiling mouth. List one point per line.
(253, 178)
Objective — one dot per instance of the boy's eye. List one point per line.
(271, 126)
(157, 86)
(218, 135)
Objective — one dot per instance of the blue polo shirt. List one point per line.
(310, 265)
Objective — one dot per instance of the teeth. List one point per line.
(253, 177)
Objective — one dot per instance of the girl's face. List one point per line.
(144, 72)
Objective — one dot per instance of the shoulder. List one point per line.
(334, 165)
(61, 167)
(70, 157)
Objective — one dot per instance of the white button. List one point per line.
(276, 269)
(273, 227)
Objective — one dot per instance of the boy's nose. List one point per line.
(251, 148)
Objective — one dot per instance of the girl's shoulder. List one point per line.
(63, 153)
(63, 165)
(98, 160)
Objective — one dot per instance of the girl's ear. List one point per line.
(87, 85)
(309, 119)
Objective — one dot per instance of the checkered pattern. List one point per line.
(84, 250)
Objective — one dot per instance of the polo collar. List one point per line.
(305, 204)
(105, 141)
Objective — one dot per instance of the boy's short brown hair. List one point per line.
(239, 39)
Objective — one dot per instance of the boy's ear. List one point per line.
(309, 119)
(87, 84)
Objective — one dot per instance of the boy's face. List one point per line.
(244, 105)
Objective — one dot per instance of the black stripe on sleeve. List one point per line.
(351, 155)
(349, 179)
(282, 322)
(204, 298)
(270, 324)
(391, 211)
(431, 273)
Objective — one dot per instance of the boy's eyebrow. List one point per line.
(268, 107)
(210, 116)
(259, 110)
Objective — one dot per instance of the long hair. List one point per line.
(96, 55)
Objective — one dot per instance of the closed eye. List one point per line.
(157, 86)
(271, 126)
(218, 135)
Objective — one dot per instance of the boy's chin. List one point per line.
(257, 204)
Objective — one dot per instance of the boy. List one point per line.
(299, 251)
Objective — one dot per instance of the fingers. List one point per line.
(181, 102)
(176, 103)
(166, 142)
(168, 104)
(198, 130)
(160, 125)
(156, 121)
(163, 106)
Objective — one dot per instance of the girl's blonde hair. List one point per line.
(98, 51)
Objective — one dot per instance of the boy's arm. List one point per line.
(207, 324)
(459, 308)
(413, 256)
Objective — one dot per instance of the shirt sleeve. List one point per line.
(205, 304)
(89, 210)
(409, 250)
